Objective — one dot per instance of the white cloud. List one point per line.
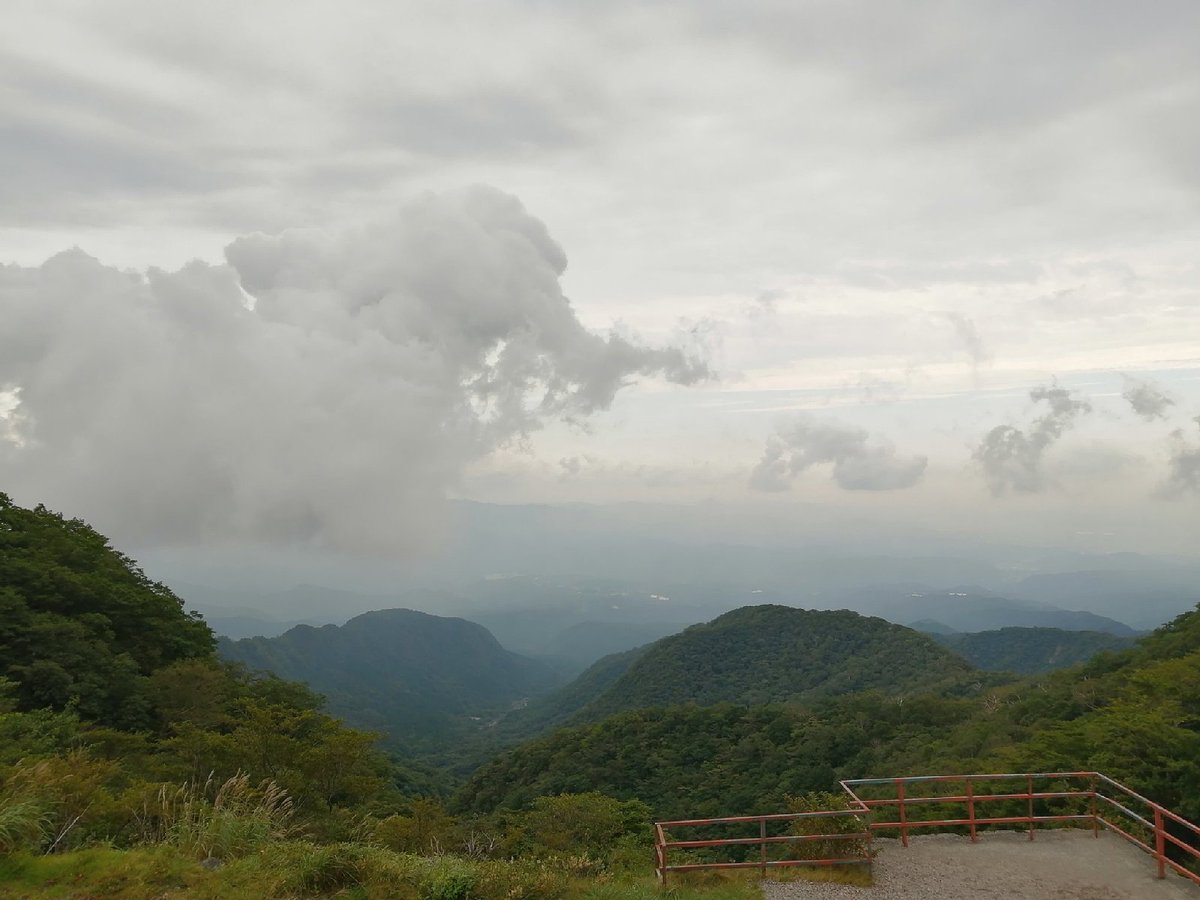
(1011, 459)
(856, 463)
(1147, 399)
(373, 366)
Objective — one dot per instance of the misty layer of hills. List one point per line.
(415, 677)
(531, 572)
(446, 689)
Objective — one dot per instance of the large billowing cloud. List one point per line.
(320, 387)
(857, 463)
(1011, 459)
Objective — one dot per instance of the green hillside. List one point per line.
(767, 654)
(414, 676)
(80, 624)
(561, 705)
(134, 764)
(1133, 714)
(112, 692)
(1028, 651)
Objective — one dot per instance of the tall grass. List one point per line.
(224, 820)
(24, 825)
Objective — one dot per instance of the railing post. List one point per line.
(1160, 843)
(1029, 784)
(971, 807)
(660, 851)
(762, 833)
(1094, 810)
(903, 813)
(870, 838)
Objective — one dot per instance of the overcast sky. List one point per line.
(295, 272)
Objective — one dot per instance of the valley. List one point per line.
(423, 731)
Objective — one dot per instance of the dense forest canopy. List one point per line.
(424, 681)
(764, 654)
(1134, 714)
(80, 623)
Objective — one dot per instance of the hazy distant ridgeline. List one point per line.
(406, 673)
(971, 608)
(1028, 651)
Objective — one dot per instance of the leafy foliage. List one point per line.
(693, 761)
(80, 623)
(1134, 715)
(771, 654)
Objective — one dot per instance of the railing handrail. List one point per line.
(865, 808)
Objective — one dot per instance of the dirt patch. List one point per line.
(1058, 865)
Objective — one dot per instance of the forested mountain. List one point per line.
(110, 690)
(1133, 714)
(764, 654)
(1028, 651)
(80, 623)
(415, 676)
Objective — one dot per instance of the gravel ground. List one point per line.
(1058, 865)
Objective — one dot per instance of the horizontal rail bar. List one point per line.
(772, 864)
(781, 839)
(774, 817)
(995, 820)
(1182, 870)
(977, 798)
(1174, 817)
(1125, 834)
(1182, 845)
(911, 779)
(1129, 812)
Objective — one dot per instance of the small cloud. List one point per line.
(858, 465)
(1183, 468)
(1147, 399)
(1011, 459)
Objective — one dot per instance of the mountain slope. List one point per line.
(80, 623)
(1028, 651)
(561, 705)
(412, 675)
(1133, 714)
(763, 654)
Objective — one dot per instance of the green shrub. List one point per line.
(589, 823)
(520, 879)
(449, 878)
(826, 849)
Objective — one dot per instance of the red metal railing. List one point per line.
(857, 841)
(1065, 798)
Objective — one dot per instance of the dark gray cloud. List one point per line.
(858, 465)
(323, 388)
(1147, 399)
(1011, 459)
